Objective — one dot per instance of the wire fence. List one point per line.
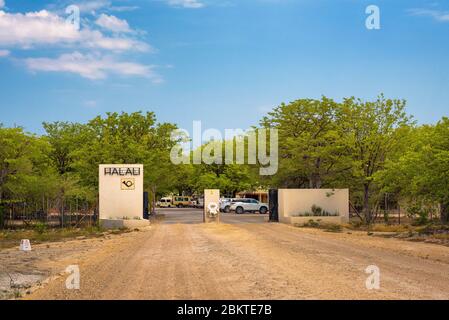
(17, 214)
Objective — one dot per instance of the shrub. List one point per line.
(311, 224)
(419, 214)
(40, 227)
(423, 218)
(317, 211)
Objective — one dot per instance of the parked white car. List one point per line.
(225, 204)
(248, 205)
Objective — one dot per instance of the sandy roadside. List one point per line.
(24, 272)
(244, 261)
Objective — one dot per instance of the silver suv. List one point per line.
(248, 205)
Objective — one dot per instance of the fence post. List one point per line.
(62, 214)
(1, 216)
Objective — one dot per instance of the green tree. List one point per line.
(26, 174)
(127, 138)
(22, 160)
(422, 171)
(229, 178)
(327, 144)
(313, 149)
(375, 131)
(64, 138)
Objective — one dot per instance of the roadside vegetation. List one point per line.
(435, 232)
(41, 234)
(374, 148)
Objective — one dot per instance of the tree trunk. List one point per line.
(311, 181)
(444, 212)
(318, 182)
(2, 216)
(153, 200)
(315, 177)
(317, 173)
(315, 181)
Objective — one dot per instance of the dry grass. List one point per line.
(11, 238)
(329, 227)
(442, 236)
(391, 228)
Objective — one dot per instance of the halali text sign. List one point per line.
(125, 171)
(121, 191)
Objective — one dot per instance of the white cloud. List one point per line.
(91, 66)
(97, 54)
(34, 27)
(113, 23)
(440, 16)
(123, 8)
(2, 3)
(46, 28)
(92, 5)
(90, 103)
(194, 4)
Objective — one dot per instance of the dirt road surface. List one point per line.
(245, 257)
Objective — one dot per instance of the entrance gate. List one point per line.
(273, 205)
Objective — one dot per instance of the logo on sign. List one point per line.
(128, 184)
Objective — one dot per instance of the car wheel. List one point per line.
(239, 210)
(227, 209)
(263, 210)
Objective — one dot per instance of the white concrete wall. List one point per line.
(115, 199)
(295, 201)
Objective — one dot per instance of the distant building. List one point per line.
(261, 195)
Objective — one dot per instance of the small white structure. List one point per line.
(25, 245)
(302, 205)
(121, 196)
(211, 205)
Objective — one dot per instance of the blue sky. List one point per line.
(224, 62)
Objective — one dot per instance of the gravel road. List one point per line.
(245, 257)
